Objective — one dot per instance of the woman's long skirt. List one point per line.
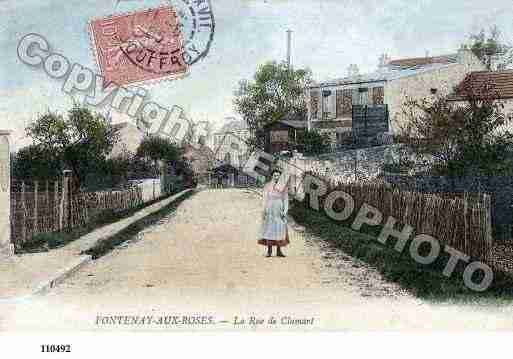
(274, 225)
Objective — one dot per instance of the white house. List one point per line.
(130, 137)
(330, 102)
(230, 145)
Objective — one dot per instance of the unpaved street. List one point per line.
(203, 260)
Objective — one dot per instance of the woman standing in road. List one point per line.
(274, 221)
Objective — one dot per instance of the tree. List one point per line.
(34, 162)
(111, 173)
(488, 44)
(275, 93)
(80, 142)
(313, 143)
(157, 149)
(461, 139)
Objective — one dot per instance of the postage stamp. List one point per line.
(139, 46)
(198, 27)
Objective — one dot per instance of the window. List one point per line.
(314, 103)
(328, 104)
(361, 96)
(378, 94)
(344, 102)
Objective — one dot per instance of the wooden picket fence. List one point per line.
(462, 221)
(54, 206)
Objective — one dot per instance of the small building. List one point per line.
(230, 143)
(130, 137)
(498, 84)
(283, 135)
(226, 175)
(200, 158)
(391, 85)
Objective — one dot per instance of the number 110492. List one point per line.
(47, 348)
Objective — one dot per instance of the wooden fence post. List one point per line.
(36, 206)
(23, 214)
(488, 225)
(64, 219)
(47, 205)
(466, 235)
(56, 207)
(14, 219)
(61, 205)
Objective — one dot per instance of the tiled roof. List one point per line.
(500, 84)
(120, 125)
(388, 73)
(233, 126)
(290, 123)
(294, 123)
(395, 69)
(423, 61)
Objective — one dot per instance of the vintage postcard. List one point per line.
(256, 165)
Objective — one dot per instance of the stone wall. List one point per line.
(368, 162)
(6, 247)
(347, 166)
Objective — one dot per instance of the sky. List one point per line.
(328, 35)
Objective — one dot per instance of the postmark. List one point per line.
(141, 46)
(198, 27)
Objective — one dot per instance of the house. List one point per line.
(283, 135)
(130, 137)
(230, 143)
(330, 103)
(498, 85)
(200, 157)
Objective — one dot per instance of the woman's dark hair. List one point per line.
(274, 171)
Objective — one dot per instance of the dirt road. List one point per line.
(203, 261)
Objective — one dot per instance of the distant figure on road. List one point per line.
(274, 219)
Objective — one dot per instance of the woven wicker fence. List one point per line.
(51, 207)
(462, 222)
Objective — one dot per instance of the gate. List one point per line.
(369, 121)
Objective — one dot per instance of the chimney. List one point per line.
(353, 71)
(383, 61)
(496, 63)
(465, 55)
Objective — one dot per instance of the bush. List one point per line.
(313, 143)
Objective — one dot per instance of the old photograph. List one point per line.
(256, 166)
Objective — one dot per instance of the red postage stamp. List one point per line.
(140, 46)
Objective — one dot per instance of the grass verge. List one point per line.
(106, 245)
(44, 242)
(424, 281)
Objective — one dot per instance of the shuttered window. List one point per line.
(344, 102)
(314, 104)
(378, 95)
